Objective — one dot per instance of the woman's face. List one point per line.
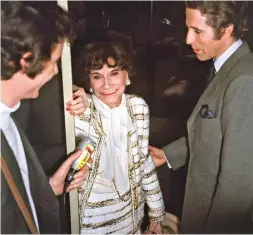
(109, 84)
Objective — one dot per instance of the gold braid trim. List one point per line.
(147, 183)
(106, 213)
(107, 223)
(147, 175)
(153, 191)
(141, 116)
(93, 172)
(108, 202)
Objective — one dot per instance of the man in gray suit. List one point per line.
(219, 144)
(32, 37)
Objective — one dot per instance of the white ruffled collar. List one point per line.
(116, 124)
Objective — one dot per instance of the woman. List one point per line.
(122, 177)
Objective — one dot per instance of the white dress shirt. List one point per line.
(225, 55)
(11, 133)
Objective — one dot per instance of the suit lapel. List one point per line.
(204, 99)
(211, 90)
(33, 164)
(11, 162)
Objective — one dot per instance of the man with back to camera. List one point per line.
(219, 188)
(32, 37)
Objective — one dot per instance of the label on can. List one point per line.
(87, 146)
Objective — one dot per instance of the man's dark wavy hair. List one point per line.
(31, 27)
(221, 14)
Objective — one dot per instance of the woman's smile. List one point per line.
(109, 92)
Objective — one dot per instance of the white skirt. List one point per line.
(107, 212)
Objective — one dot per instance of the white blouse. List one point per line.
(114, 159)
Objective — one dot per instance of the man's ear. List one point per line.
(23, 61)
(228, 31)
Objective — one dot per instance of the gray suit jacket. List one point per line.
(45, 201)
(219, 187)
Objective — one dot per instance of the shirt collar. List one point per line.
(225, 55)
(104, 106)
(5, 113)
(5, 109)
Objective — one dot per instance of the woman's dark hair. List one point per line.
(221, 14)
(94, 55)
(31, 27)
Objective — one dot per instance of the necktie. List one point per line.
(211, 74)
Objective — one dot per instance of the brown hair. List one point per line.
(31, 27)
(221, 14)
(95, 55)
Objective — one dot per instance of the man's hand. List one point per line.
(79, 103)
(157, 155)
(58, 179)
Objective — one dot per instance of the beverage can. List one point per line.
(87, 146)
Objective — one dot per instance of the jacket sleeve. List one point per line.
(177, 153)
(82, 123)
(150, 183)
(232, 204)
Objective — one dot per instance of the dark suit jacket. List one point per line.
(219, 187)
(45, 201)
(42, 120)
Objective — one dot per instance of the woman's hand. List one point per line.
(79, 103)
(154, 228)
(157, 155)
